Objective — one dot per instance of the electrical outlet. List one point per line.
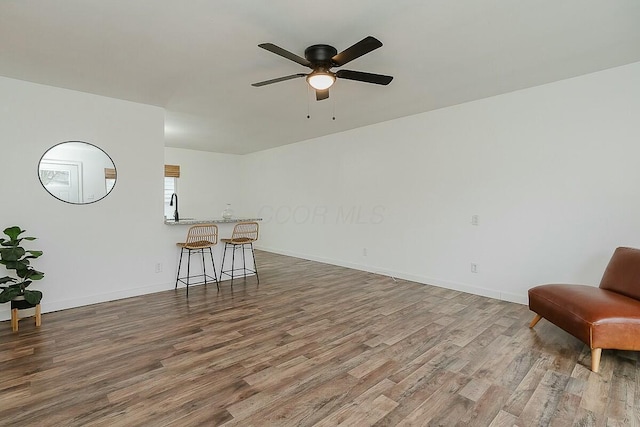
(159, 267)
(475, 219)
(474, 267)
(364, 251)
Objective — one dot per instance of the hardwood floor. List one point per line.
(313, 344)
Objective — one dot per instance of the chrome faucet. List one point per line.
(176, 217)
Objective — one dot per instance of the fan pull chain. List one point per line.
(311, 91)
(334, 108)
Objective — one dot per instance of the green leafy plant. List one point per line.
(15, 257)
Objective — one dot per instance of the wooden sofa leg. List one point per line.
(595, 359)
(535, 320)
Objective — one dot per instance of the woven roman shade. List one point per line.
(172, 171)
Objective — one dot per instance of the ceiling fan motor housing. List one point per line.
(320, 55)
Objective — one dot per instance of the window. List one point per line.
(109, 179)
(171, 175)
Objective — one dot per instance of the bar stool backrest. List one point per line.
(244, 232)
(201, 236)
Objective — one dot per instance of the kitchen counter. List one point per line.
(193, 221)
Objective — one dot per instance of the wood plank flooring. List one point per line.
(312, 345)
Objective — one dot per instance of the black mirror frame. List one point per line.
(66, 201)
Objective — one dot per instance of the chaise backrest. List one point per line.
(623, 273)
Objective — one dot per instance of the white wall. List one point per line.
(208, 181)
(552, 172)
(110, 249)
(96, 252)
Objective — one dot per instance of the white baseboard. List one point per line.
(462, 287)
(50, 306)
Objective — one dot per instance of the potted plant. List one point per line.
(14, 289)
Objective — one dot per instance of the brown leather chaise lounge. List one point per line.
(607, 317)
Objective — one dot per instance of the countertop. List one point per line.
(193, 221)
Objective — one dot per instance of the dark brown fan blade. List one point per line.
(279, 79)
(285, 54)
(364, 46)
(322, 94)
(378, 79)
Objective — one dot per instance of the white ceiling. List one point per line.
(197, 58)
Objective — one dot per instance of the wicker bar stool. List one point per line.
(199, 238)
(244, 233)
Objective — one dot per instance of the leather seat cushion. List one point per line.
(598, 317)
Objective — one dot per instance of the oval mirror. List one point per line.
(77, 172)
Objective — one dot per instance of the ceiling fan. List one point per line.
(321, 58)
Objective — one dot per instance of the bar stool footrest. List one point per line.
(201, 282)
(235, 274)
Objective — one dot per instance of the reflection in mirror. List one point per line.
(77, 172)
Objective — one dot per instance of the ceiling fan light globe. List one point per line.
(320, 81)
